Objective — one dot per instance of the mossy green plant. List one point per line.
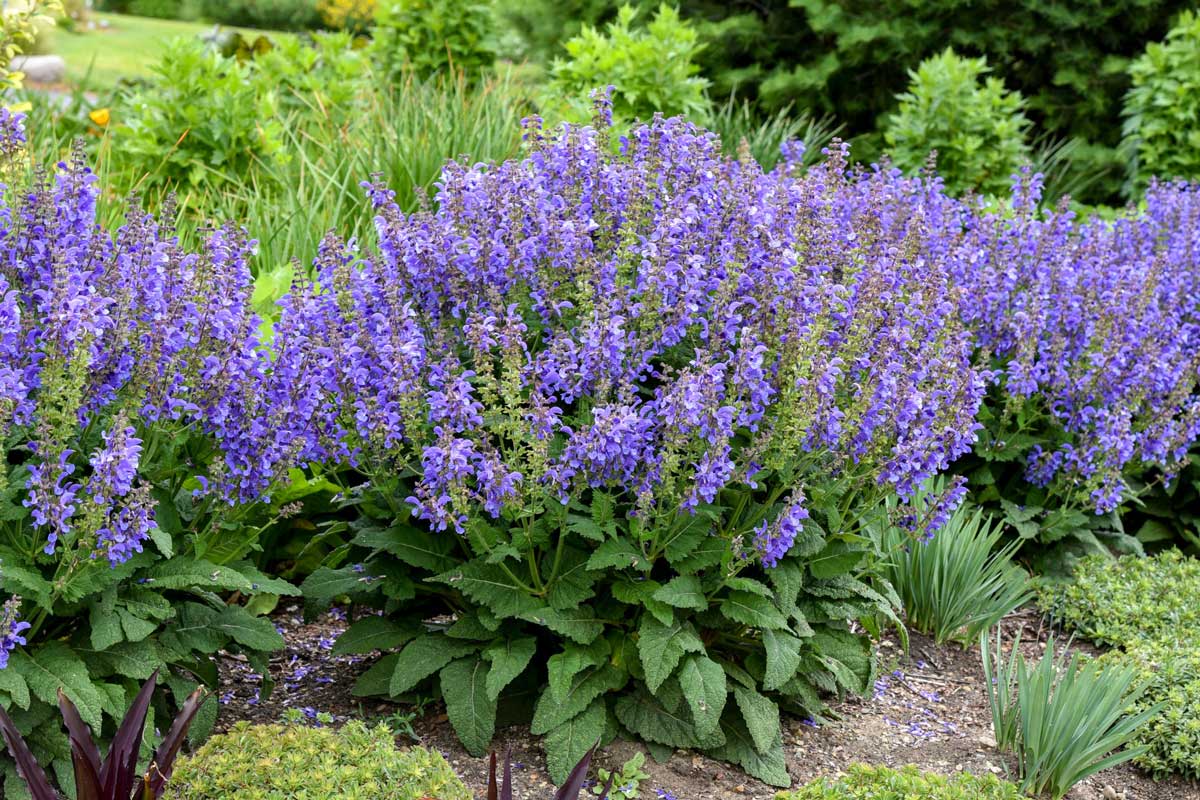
(296, 762)
(1146, 608)
(862, 782)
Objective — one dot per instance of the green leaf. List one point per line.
(103, 620)
(618, 554)
(683, 591)
(549, 712)
(508, 658)
(489, 585)
(136, 660)
(641, 593)
(739, 748)
(586, 527)
(325, 585)
(412, 546)
(374, 633)
(646, 716)
(706, 553)
(703, 683)
(249, 631)
(753, 610)
(56, 666)
(567, 744)
(563, 667)
(15, 687)
(847, 655)
(788, 580)
(376, 681)
(761, 716)
(471, 711)
(660, 648)
(579, 625)
(783, 658)
(188, 573)
(837, 558)
(424, 656)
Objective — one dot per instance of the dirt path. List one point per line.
(928, 709)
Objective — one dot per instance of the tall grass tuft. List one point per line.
(738, 121)
(1063, 719)
(958, 583)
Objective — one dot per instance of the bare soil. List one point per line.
(928, 709)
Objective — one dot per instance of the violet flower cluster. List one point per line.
(655, 325)
(1095, 325)
(109, 340)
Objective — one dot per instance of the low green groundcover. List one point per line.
(295, 762)
(863, 782)
(1146, 608)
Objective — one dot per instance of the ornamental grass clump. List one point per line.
(628, 412)
(132, 388)
(1093, 332)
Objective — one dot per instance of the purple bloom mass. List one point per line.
(11, 628)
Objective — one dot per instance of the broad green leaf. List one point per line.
(783, 658)
(683, 591)
(374, 633)
(579, 625)
(660, 648)
(761, 716)
(753, 610)
(249, 631)
(471, 711)
(704, 689)
(563, 667)
(550, 712)
(489, 585)
(15, 687)
(567, 744)
(56, 666)
(508, 659)
(377, 680)
(415, 547)
(424, 656)
(647, 717)
(325, 585)
(739, 748)
(618, 554)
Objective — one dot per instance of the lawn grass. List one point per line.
(127, 48)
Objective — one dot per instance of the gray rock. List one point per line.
(41, 69)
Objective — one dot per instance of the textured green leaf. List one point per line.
(783, 658)
(618, 554)
(249, 631)
(753, 610)
(424, 656)
(56, 666)
(508, 659)
(12, 684)
(325, 585)
(660, 648)
(104, 622)
(848, 655)
(704, 689)
(412, 546)
(489, 585)
(579, 624)
(646, 716)
(563, 667)
(837, 558)
(739, 748)
(761, 716)
(549, 712)
(567, 744)
(377, 680)
(136, 660)
(641, 593)
(374, 633)
(188, 573)
(683, 591)
(471, 711)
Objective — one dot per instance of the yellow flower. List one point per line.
(100, 116)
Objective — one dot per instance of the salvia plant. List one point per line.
(132, 489)
(1092, 331)
(116, 777)
(627, 412)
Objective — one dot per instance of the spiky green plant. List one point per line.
(959, 582)
(1064, 719)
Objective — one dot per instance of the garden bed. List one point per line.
(928, 709)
